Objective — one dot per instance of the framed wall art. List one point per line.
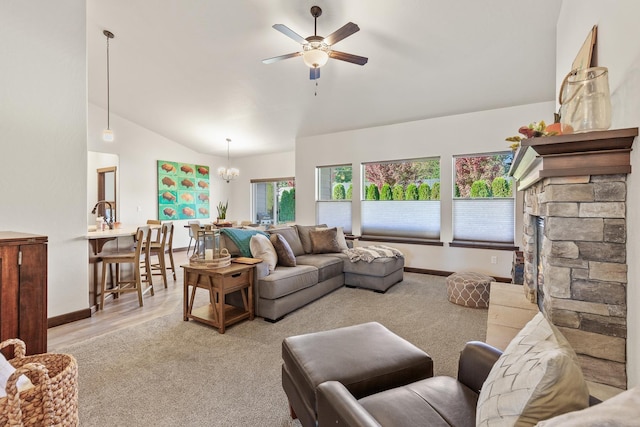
(183, 191)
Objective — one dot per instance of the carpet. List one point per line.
(168, 372)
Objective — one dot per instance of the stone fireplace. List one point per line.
(574, 242)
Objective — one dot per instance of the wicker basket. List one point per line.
(53, 399)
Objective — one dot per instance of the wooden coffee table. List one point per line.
(219, 282)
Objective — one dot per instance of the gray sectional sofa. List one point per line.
(286, 289)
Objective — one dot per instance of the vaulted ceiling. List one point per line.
(191, 70)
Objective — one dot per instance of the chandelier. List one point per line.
(228, 173)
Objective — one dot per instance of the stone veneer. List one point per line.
(584, 267)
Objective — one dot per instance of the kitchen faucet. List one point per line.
(111, 212)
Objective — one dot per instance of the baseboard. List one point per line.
(68, 318)
(447, 273)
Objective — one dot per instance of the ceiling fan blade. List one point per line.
(281, 57)
(290, 33)
(314, 73)
(354, 59)
(345, 31)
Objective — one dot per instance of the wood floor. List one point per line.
(124, 311)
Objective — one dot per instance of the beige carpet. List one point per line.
(167, 372)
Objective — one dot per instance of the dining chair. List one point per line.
(136, 257)
(158, 249)
(194, 227)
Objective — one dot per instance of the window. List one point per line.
(483, 203)
(333, 206)
(401, 199)
(274, 201)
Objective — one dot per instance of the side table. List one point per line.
(219, 282)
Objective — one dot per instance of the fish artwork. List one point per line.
(203, 184)
(203, 211)
(203, 197)
(168, 182)
(167, 167)
(168, 196)
(169, 212)
(203, 171)
(186, 197)
(186, 169)
(187, 183)
(188, 212)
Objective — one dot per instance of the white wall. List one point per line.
(279, 165)
(139, 149)
(43, 132)
(445, 137)
(618, 46)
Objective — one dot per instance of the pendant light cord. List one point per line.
(108, 89)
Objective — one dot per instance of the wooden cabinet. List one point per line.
(23, 289)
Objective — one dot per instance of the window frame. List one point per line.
(276, 202)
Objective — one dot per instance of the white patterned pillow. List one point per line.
(536, 378)
(622, 410)
(262, 248)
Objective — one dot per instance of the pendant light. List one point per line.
(228, 173)
(107, 134)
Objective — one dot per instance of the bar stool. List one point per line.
(169, 249)
(134, 257)
(158, 249)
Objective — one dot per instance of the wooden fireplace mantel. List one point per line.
(590, 153)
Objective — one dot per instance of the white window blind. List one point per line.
(334, 214)
(484, 220)
(410, 219)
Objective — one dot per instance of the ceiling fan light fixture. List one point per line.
(315, 57)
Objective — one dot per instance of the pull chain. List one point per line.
(316, 92)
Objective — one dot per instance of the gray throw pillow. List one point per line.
(291, 236)
(286, 257)
(325, 241)
(303, 232)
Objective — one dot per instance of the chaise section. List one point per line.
(378, 275)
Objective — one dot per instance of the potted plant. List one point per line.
(222, 211)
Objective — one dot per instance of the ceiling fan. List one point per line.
(316, 50)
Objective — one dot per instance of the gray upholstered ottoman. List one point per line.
(378, 275)
(365, 358)
(469, 289)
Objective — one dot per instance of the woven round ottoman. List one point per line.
(469, 289)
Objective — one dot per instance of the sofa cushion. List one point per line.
(286, 280)
(291, 235)
(379, 267)
(324, 240)
(262, 248)
(286, 257)
(622, 410)
(437, 401)
(327, 266)
(536, 378)
(303, 232)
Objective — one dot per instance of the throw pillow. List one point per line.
(262, 248)
(536, 378)
(291, 236)
(324, 241)
(240, 238)
(342, 241)
(286, 257)
(6, 369)
(622, 410)
(303, 232)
